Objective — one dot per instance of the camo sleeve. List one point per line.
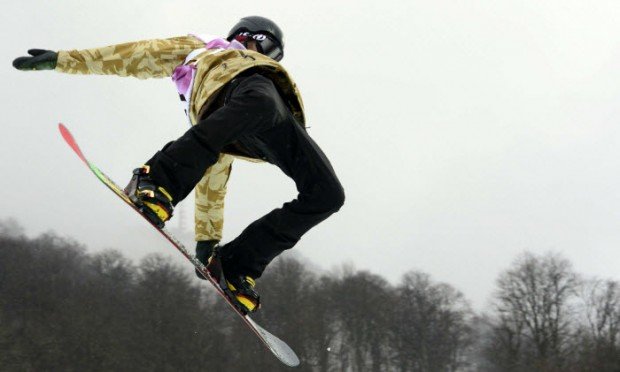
(210, 193)
(142, 59)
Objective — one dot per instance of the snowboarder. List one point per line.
(241, 102)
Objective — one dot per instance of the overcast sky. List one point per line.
(464, 132)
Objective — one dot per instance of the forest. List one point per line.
(63, 308)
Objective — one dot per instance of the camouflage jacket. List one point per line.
(157, 59)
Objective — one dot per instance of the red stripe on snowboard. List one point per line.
(71, 141)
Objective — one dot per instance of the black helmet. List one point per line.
(269, 37)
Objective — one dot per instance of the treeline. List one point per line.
(62, 309)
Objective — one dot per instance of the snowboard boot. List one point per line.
(204, 250)
(238, 288)
(152, 200)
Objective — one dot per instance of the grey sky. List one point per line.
(464, 132)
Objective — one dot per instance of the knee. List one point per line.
(333, 198)
(322, 200)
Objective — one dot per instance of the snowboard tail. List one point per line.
(278, 347)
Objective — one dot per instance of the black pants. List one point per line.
(255, 117)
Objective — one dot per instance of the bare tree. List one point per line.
(533, 314)
(431, 325)
(355, 309)
(599, 343)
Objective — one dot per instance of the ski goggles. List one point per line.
(265, 44)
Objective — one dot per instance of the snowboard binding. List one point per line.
(153, 201)
(238, 288)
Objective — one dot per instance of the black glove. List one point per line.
(41, 60)
(204, 249)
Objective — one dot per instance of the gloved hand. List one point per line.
(40, 59)
(204, 249)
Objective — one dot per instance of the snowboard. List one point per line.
(278, 347)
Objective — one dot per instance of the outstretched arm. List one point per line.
(142, 59)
